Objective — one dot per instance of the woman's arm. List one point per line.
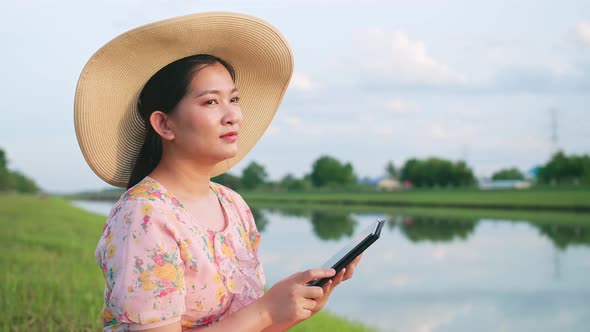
(288, 302)
(253, 317)
(328, 287)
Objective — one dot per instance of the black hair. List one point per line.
(163, 92)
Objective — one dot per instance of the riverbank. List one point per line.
(546, 199)
(545, 217)
(50, 280)
(535, 199)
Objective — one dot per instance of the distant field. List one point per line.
(535, 199)
(49, 280)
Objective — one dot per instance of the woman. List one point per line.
(160, 110)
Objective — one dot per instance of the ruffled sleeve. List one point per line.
(252, 235)
(241, 267)
(141, 260)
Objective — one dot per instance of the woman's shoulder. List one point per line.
(147, 191)
(228, 194)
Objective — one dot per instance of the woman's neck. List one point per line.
(183, 179)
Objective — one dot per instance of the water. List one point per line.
(427, 274)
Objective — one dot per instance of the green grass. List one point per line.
(538, 217)
(325, 321)
(49, 280)
(533, 199)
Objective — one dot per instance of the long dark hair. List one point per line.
(162, 93)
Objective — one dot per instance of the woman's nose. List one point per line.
(233, 115)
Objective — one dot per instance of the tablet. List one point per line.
(349, 252)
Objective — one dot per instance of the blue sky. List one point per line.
(385, 80)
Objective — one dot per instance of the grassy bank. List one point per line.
(566, 218)
(49, 281)
(534, 199)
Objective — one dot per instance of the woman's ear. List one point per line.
(160, 122)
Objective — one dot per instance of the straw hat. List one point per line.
(109, 128)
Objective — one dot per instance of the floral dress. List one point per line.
(161, 266)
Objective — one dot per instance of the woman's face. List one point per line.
(207, 119)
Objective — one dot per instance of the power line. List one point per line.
(554, 131)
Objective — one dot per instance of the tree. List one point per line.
(562, 169)
(328, 171)
(291, 183)
(3, 162)
(436, 172)
(4, 179)
(390, 170)
(14, 180)
(508, 174)
(253, 175)
(23, 184)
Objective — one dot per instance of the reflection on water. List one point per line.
(332, 226)
(440, 274)
(418, 229)
(563, 236)
(335, 225)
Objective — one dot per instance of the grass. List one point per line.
(325, 321)
(566, 218)
(532, 199)
(49, 280)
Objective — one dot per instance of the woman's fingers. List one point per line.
(349, 272)
(327, 287)
(312, 292)
(308, 304)
(350, 268)
(309, 275)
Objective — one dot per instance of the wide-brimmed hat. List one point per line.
(109, 128)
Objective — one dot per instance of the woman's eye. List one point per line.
(211, 102)
(235, 100)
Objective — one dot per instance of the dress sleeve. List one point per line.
(248, 219)
(143, 268)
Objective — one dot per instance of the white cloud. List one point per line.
(302, 82)
(400, 58)
(273, 130)
(497, 56)
(437, 131)
(293, 121)
(294, 125)
(583, 32)
(399, 106)
(384, 131)
(401, 281)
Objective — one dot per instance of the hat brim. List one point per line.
(108, 126)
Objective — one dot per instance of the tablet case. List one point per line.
(348, 253)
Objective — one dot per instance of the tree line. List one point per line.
(14, 181)
(328, 172)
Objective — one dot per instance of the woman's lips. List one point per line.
(230, 137)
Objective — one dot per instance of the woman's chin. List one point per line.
(228, 155)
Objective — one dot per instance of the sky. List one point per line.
(374, 81)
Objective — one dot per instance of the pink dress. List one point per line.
(160, 266)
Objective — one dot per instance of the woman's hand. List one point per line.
(328, 287)
(291, 301)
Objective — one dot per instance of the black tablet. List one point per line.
(354, 248)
